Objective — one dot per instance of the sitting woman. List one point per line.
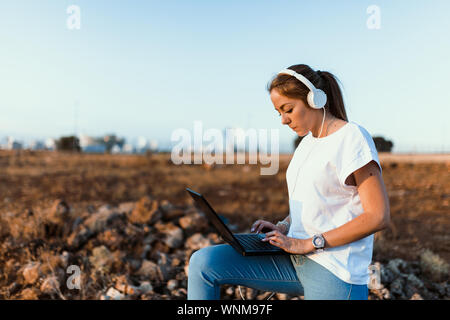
(337, 201)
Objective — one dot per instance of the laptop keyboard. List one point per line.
(253, 242)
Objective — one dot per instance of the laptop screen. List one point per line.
(204, 206)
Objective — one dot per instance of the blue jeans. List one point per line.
(213, 266)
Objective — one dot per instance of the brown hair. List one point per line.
(292, 88)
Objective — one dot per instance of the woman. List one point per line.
(337, 201)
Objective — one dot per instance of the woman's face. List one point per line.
(294, 113)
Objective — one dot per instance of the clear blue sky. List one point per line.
(146, 68)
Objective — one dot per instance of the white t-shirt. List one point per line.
(321, 201)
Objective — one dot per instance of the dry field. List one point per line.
(418, 188)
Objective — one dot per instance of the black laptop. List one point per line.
(248, 244)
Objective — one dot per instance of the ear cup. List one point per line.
(317, 99)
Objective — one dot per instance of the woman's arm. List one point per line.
(375, 202)
(376, 216)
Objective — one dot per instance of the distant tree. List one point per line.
(111, 140)
(70, 143)
(382, 144)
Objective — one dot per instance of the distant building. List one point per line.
(37, 145)
(106, 144)
(95, 148)
(116, 149)
(12, 144)
(128, 148)
(50, 144)
(92, 145)
(153, 145)
(143, 145)
(86, 141)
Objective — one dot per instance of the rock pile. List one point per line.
(141, 250)
(131, 251)
(405, 280)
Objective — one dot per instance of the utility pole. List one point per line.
(75, 124)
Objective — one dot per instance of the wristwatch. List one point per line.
(318, 242)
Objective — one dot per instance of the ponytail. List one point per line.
(292, 88)
(335, 101)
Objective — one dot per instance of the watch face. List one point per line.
(318, 241)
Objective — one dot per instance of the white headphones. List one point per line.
(316, 97)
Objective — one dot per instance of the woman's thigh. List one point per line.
(321, 284)
(221, 264)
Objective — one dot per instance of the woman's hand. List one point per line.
(288, 244)
(259, 225)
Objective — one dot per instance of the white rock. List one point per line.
(114, 294)
(150, 270)
(145, 287)
(31, 272)
(172, 284)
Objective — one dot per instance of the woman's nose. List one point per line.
(285, 119)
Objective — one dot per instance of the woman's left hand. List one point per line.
(288, 244)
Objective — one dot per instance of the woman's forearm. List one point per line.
(360, 227)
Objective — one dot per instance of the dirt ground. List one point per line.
(418, 188)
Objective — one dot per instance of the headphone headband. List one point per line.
(300, 77)
(316, 97)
